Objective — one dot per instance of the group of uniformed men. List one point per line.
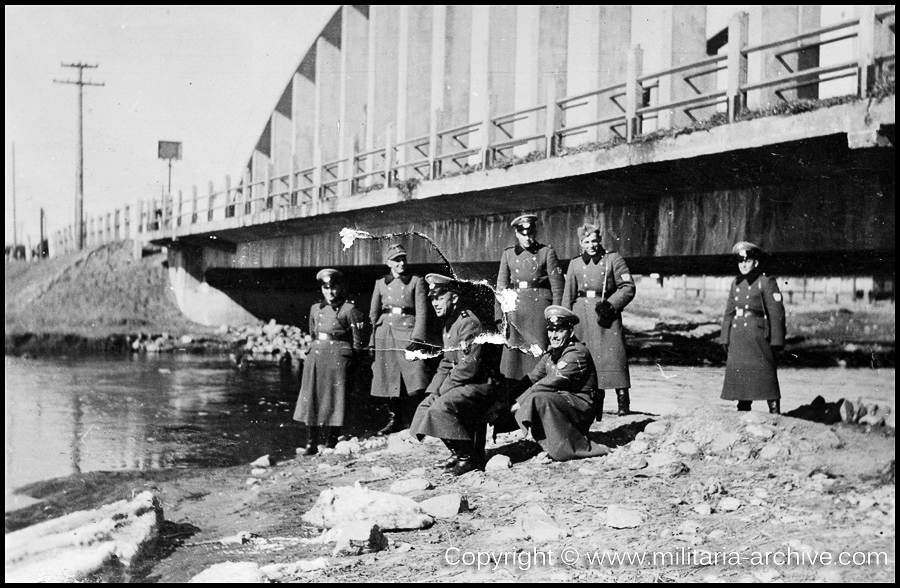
(564, 347)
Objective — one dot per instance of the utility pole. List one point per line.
(79, 187)
(41, 242)
(15, 229)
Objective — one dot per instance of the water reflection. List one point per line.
(66, 417)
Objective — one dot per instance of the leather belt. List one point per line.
(588, 293)
(748, 312)
(398, 310)
(330, 337)
(526, 284)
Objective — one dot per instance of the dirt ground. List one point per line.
(705, 481)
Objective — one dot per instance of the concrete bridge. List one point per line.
(451, 120)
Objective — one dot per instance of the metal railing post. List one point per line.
(389, 155)
(866, 57)
(433, 172)
(551, 120)
(633, 93)
(737, 63)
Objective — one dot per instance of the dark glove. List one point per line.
(606, 314)
(418, 345)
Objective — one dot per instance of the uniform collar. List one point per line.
(596, 258)
(451, 318)
(336, 305)
(405, 278)
(534, 248)
(750, 277)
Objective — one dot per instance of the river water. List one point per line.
(69, 416)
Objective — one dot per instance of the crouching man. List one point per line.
(556, 404)
(461, 390)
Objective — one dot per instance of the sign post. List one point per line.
(169, 150)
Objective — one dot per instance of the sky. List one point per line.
(208, 77)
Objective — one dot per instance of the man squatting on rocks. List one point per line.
(398, 314)
(336, 326)
(461, 391)
(556, 403)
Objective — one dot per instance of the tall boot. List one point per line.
(453, 459)
(470, 454)
(311, 439)
(744, 405)
(395, 412)
(774, 406)
(597, 400)
(624, 401)
(333, 434)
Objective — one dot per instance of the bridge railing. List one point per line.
(640, 104)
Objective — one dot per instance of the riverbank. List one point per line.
(694, 476)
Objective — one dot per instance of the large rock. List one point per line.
(540, 526)
(345, 504)
(445, 506)
(356, 538)
(410, 485)
(619, 517)
(498, 463)
(230, 572)
(81, 543)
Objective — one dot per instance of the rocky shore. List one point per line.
(702, 494)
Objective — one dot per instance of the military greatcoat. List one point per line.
(752, 325)
(398, 314)
(461, 391)
(588, 281)
(557, 406)
(536, 277)
(337, 333)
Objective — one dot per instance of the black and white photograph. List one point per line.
(450, 293)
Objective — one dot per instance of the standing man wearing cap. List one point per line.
(598, 287)
(398, 313)
(532, 270)
(753, 330)
(461, 391)
(336, 326)
(556, 404)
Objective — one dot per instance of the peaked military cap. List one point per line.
(587, 229)
(438, 284)
(328, 275)
(524, 222)
(747, 250)
(394, 251)
(559, 316)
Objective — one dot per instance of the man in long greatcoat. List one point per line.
(336, 326)
(461, 391)
(753, 331)
(598, 287)
(398, 313)
(556, 406)
(531, 269)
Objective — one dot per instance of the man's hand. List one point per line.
(606, 314)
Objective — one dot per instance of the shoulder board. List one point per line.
(510, 247)
(465, 314)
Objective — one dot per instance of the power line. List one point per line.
(79, 187)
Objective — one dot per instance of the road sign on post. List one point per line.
(169, 150)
